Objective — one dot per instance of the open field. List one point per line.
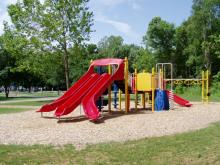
(6, 110)
(28, 103)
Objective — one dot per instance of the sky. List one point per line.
(127, 18)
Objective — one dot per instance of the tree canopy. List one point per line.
(48, 43)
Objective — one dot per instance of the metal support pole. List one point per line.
(152, 88)
(109, 91)
(135, 89)
(143, 98)
(119, 99)
(203, 85)
(207, 86)
(126, 86)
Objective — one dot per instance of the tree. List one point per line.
(7, 62)
(181, 57)
(144, 60)
(57, 24)
(110, 46)
(160, 39)
(202, 27)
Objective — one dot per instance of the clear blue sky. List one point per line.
(127, 18)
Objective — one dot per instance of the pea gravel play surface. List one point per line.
(29, 128)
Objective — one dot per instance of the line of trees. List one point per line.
(46, 44)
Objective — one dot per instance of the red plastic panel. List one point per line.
(52, 106)
(179, 100)
(91, 97)
(119, 73)
(75, 99)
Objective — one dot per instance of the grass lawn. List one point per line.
(26, 95)
(3, 98)
(28, 103)
(41, 94)
(12, 110)
(199, 147)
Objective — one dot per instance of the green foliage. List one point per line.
(160, 39)
(55, 26)
(215, 89)
(192, 45)
(45, 46)
(179, 89)
(110, 46)
(144, 60)
(202, 26)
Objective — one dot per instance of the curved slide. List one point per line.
(79, 84)
(69, 105)
(88, 102)
(179, 100)
(87, 90)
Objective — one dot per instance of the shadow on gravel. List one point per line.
(104, 116)
(72, 119)
(115, 114)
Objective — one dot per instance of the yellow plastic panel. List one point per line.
(144, 82)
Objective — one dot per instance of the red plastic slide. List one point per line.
(70, 104)
(52, 106)
(89, 106)
(87, 90)
(179, 100)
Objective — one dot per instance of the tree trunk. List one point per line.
(58, 91)
(66, 68)
(6, 91)
(29, 89)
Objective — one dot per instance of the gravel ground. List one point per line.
(29, 128)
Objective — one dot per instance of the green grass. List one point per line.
(195, 93)
(25, 95)
(41, 94)
(199, 147)
(12, 110)
(3, 98)
(28, 103)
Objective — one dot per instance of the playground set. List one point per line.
(88, 91)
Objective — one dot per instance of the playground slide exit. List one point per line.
(87, 90)
(179, 100)
(88, 102)
(76, 87)
(71, 103)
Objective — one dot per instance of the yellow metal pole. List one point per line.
(203, 85)
(148, 99)
(160, 79)
(126, 86)
(119, 99)
(152, 88)
(135, 91)
(207, 86)
(109, 91)
(143, 100)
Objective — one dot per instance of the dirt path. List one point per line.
(29, 128)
